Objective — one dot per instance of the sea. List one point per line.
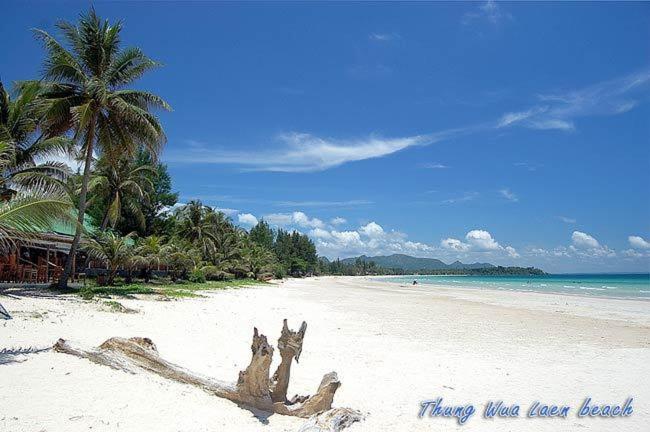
(631, 285)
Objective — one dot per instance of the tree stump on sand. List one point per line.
(253, 387)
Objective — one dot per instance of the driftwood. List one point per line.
(253, 387)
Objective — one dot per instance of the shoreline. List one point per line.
(386, 278)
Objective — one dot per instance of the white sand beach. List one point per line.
(392, 347)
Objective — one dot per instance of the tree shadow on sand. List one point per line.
(16, 355)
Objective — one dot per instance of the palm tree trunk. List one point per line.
(105, 221)
(90, 137)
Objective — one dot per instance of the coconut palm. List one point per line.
(121, 185)
(86, 79)
(112, 249)
(149, 254)
(196, 223)
(258, 261)
(25, 143)
(181, 257)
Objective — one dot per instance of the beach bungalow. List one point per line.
(40, 256)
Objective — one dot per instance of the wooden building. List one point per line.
(40, 257)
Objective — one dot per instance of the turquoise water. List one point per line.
(603, 285)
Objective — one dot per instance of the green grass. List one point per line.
(169, 290)
(114, 306)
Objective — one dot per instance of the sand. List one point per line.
(392, 346)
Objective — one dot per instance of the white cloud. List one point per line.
(384, 37)
(348, 203)
(345, 240)
(435, 166)
(320, 233)
(338, 221)
(557, 111)
(482, 240)
(303, 220)
(638, 242)
(515, 117)
(279, 219)
(512, 252)
(528, 166)
(301, 152)
(296, 218)
(586, 246)
(552, 124)
(372, 230)
(171, 209)
(538, 251)
(561, 251)
(584, 240)
(489, 12)
(534, 118)
(509, 195)
(454, 244)
(467, 196)
(226, 211)
(247, 219)
(567, 219)
(478, 241)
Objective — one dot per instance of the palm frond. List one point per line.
(32, 211)
(60, 64)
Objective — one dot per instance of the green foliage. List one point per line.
(118, 307)
(118, 189)
(181, 258)
(197, 276)
(296, 253)
(262, 234)
(214, 273)
(23, 143)
(145, 212)
(114, 250)
(86, 293)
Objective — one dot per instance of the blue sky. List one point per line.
(514, 133)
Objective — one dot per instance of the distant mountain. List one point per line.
(407, 262)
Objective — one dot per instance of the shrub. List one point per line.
(197, 276)
(86, 293)
(213, 273)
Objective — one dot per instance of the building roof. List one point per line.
(67, 227)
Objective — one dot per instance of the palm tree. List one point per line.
(121, 185)
(182, 257)
(196, 223)
(113, 249)
(149, 254)
(86, 92)
(258, 261)
(26, 146)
